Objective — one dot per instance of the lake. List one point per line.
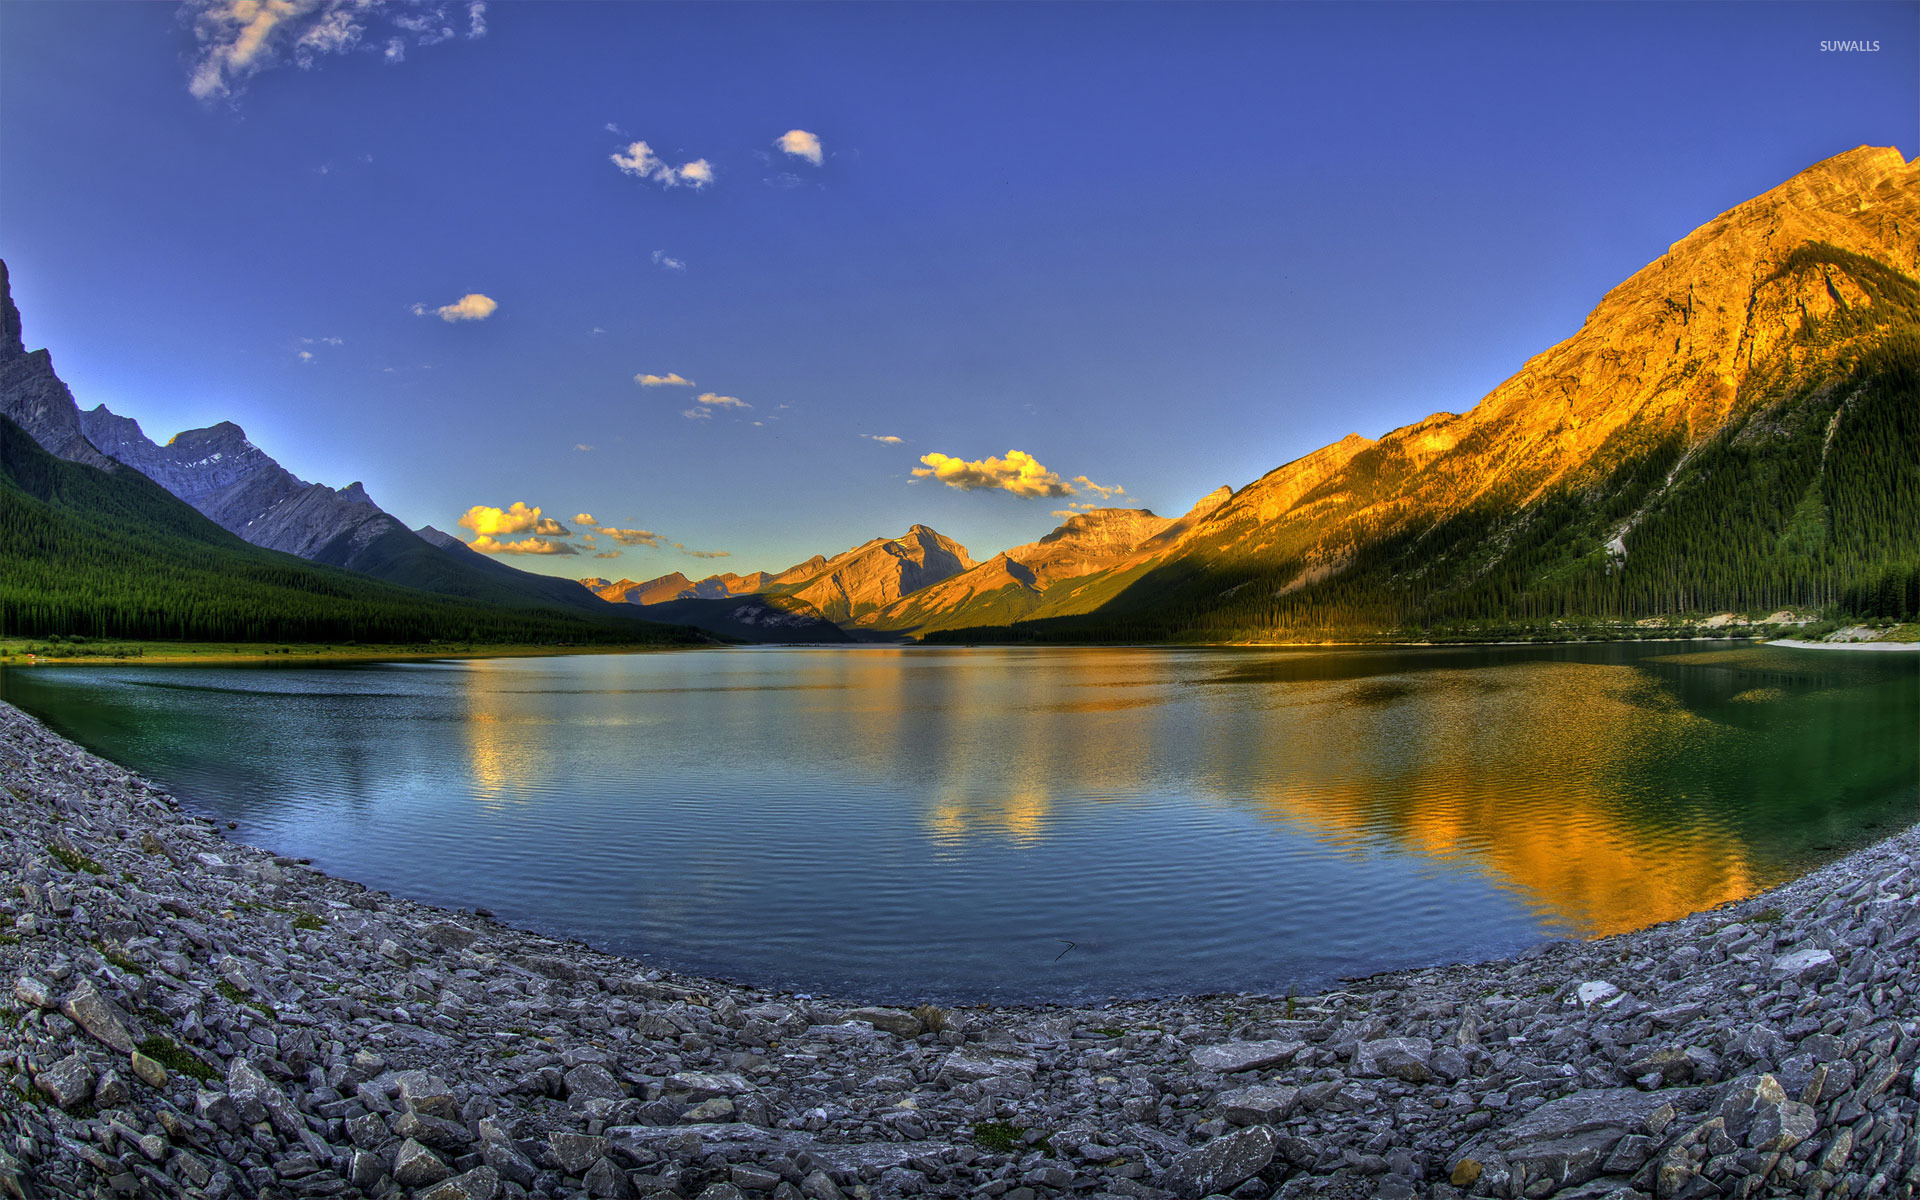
(958, 825)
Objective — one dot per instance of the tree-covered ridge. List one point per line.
(84, 551)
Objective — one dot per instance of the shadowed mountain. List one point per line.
(242, 489)
(111, 554)
(1733, 427)
(135, 492)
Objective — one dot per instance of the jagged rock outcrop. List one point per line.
(34, 398)
(241, 488)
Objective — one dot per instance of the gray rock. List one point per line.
(481, 1183)
(416, 1166)
(1260, 1104)
(700, 1086)
(575, 1152)
(1220, 1165)
(893, 1020)
(1809, 966)
(591, 1081)
(1407, 1058)
(605, 1179)
(972, 1064)
(69, 1082)
(1229, 1057)
(1622, 1110)
(32, 993)
(99, 1016)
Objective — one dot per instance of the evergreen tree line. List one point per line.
(102, 555)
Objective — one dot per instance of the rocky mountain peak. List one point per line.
(11, 343)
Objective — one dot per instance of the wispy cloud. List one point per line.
(887, 438)
(238, 39)
(487, 545)
(1105, 493)
(702, 553)
(668, 262)
(634, 537)
(488, 521)
(639, 161)
(670, 379)
(323, 341)
(697, 414)
(714, 400)
(801, 144)
(608, 554)
(470, 307)
(1018, 472)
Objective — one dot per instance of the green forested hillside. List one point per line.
(85, 551)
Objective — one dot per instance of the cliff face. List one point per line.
(33, 396)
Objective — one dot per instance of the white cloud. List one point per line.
(323, 341)
(1105, 493)
(487, 545)
(1018, 472)
(670, 379)
(702, 553)
(306, 355)
(697, 414)
(887, 438)
(668, 262)
(584, 519)
(470, 307)
(634, 537)
(549, 527)
(801, 144)
(488, 521)
(714, 400)
(582, 447)
(239, 39)
(639, 161)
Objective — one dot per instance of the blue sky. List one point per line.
(1153, 247)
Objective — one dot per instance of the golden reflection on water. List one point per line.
(1513, 772)
(1544, 777)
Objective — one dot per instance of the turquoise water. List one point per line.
(1020, 824)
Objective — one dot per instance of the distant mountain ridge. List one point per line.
(242, 489)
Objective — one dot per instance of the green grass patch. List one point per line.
(308, 921)
(227, 989)
(1767, 916)
(1001, 1137)
(118, 959)
(75, 861)
(178, 1059)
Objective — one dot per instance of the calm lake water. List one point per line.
(1008, 824)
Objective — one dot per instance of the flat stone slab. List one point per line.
(1623, 1109)
(1228, 1057)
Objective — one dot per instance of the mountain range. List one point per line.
(1735, 426)
(104, 533)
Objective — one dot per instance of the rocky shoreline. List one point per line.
(190, 1017)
